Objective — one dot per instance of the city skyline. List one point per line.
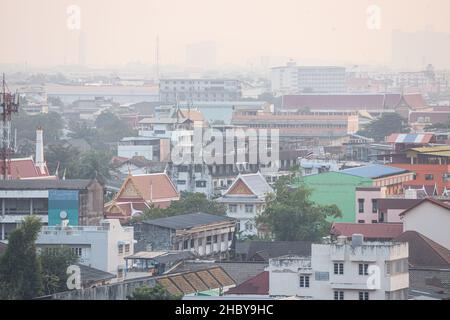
(101, 33)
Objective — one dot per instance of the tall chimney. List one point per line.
(40, 163)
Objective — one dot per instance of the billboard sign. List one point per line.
(62, 204)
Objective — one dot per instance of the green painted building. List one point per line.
(336, 188)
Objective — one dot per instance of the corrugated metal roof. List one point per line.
(44, 184)
(188, 221)
(421, 138)
(374, 171)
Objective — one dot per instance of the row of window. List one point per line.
(249, 208)
(361, 205)
(297, 125)
(363, 268)
(123, 248)
(338, 294)
(187, 244)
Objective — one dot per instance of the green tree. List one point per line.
(111, 128)
(54, 266)
(290, 215)
(189, 203)
(20, 268)
(382, 127)
(89, 165)
(26, 126)
(82, 130)
(196, 202)
(158, 292)
(64, 155)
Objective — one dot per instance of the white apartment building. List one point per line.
(181, 90)
(102, 247)
(292, 79)
(345, 270)
(147, 147)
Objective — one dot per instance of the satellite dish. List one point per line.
(63, 215)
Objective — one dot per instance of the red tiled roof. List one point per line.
(340, 102)
(369, 231)
(424, 252)
(434, 116)
(152, 187)
(22, 168)
(396, 203)
(155, 186)
(414, 100)
(352, 101)
(258, 285)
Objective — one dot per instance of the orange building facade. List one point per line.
(428, 175)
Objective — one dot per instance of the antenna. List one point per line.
(9, 105)
(157, 59)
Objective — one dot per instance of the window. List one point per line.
(429, 176)
(127, 248)
(249, 208)
(339, 295)
(363, 269)
(230, 236)
(192, 243)
(361, 205)
(79, 251)
(363, 295)
(200, 241)
(304, 281)
(232, 207)
(120, 248)
(374, 221)
(361, 221)
(208, 240)
(200, 184)
(222, 237)
(181, 182)
(339, 268)
(215, 239)
(185, 244)
(388, 267)
(374, 205)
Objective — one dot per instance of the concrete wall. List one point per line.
(367, 195)
(117, 291)
(149, 235)
(431, 220)
(336, 188)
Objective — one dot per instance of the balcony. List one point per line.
(350, 286)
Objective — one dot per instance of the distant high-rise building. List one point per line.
(417, 50)
(302, 79)
(82, 48)
(196, 90)
(201, 55)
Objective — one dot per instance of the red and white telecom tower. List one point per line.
(9, 104)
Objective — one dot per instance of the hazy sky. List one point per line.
(121, 31)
